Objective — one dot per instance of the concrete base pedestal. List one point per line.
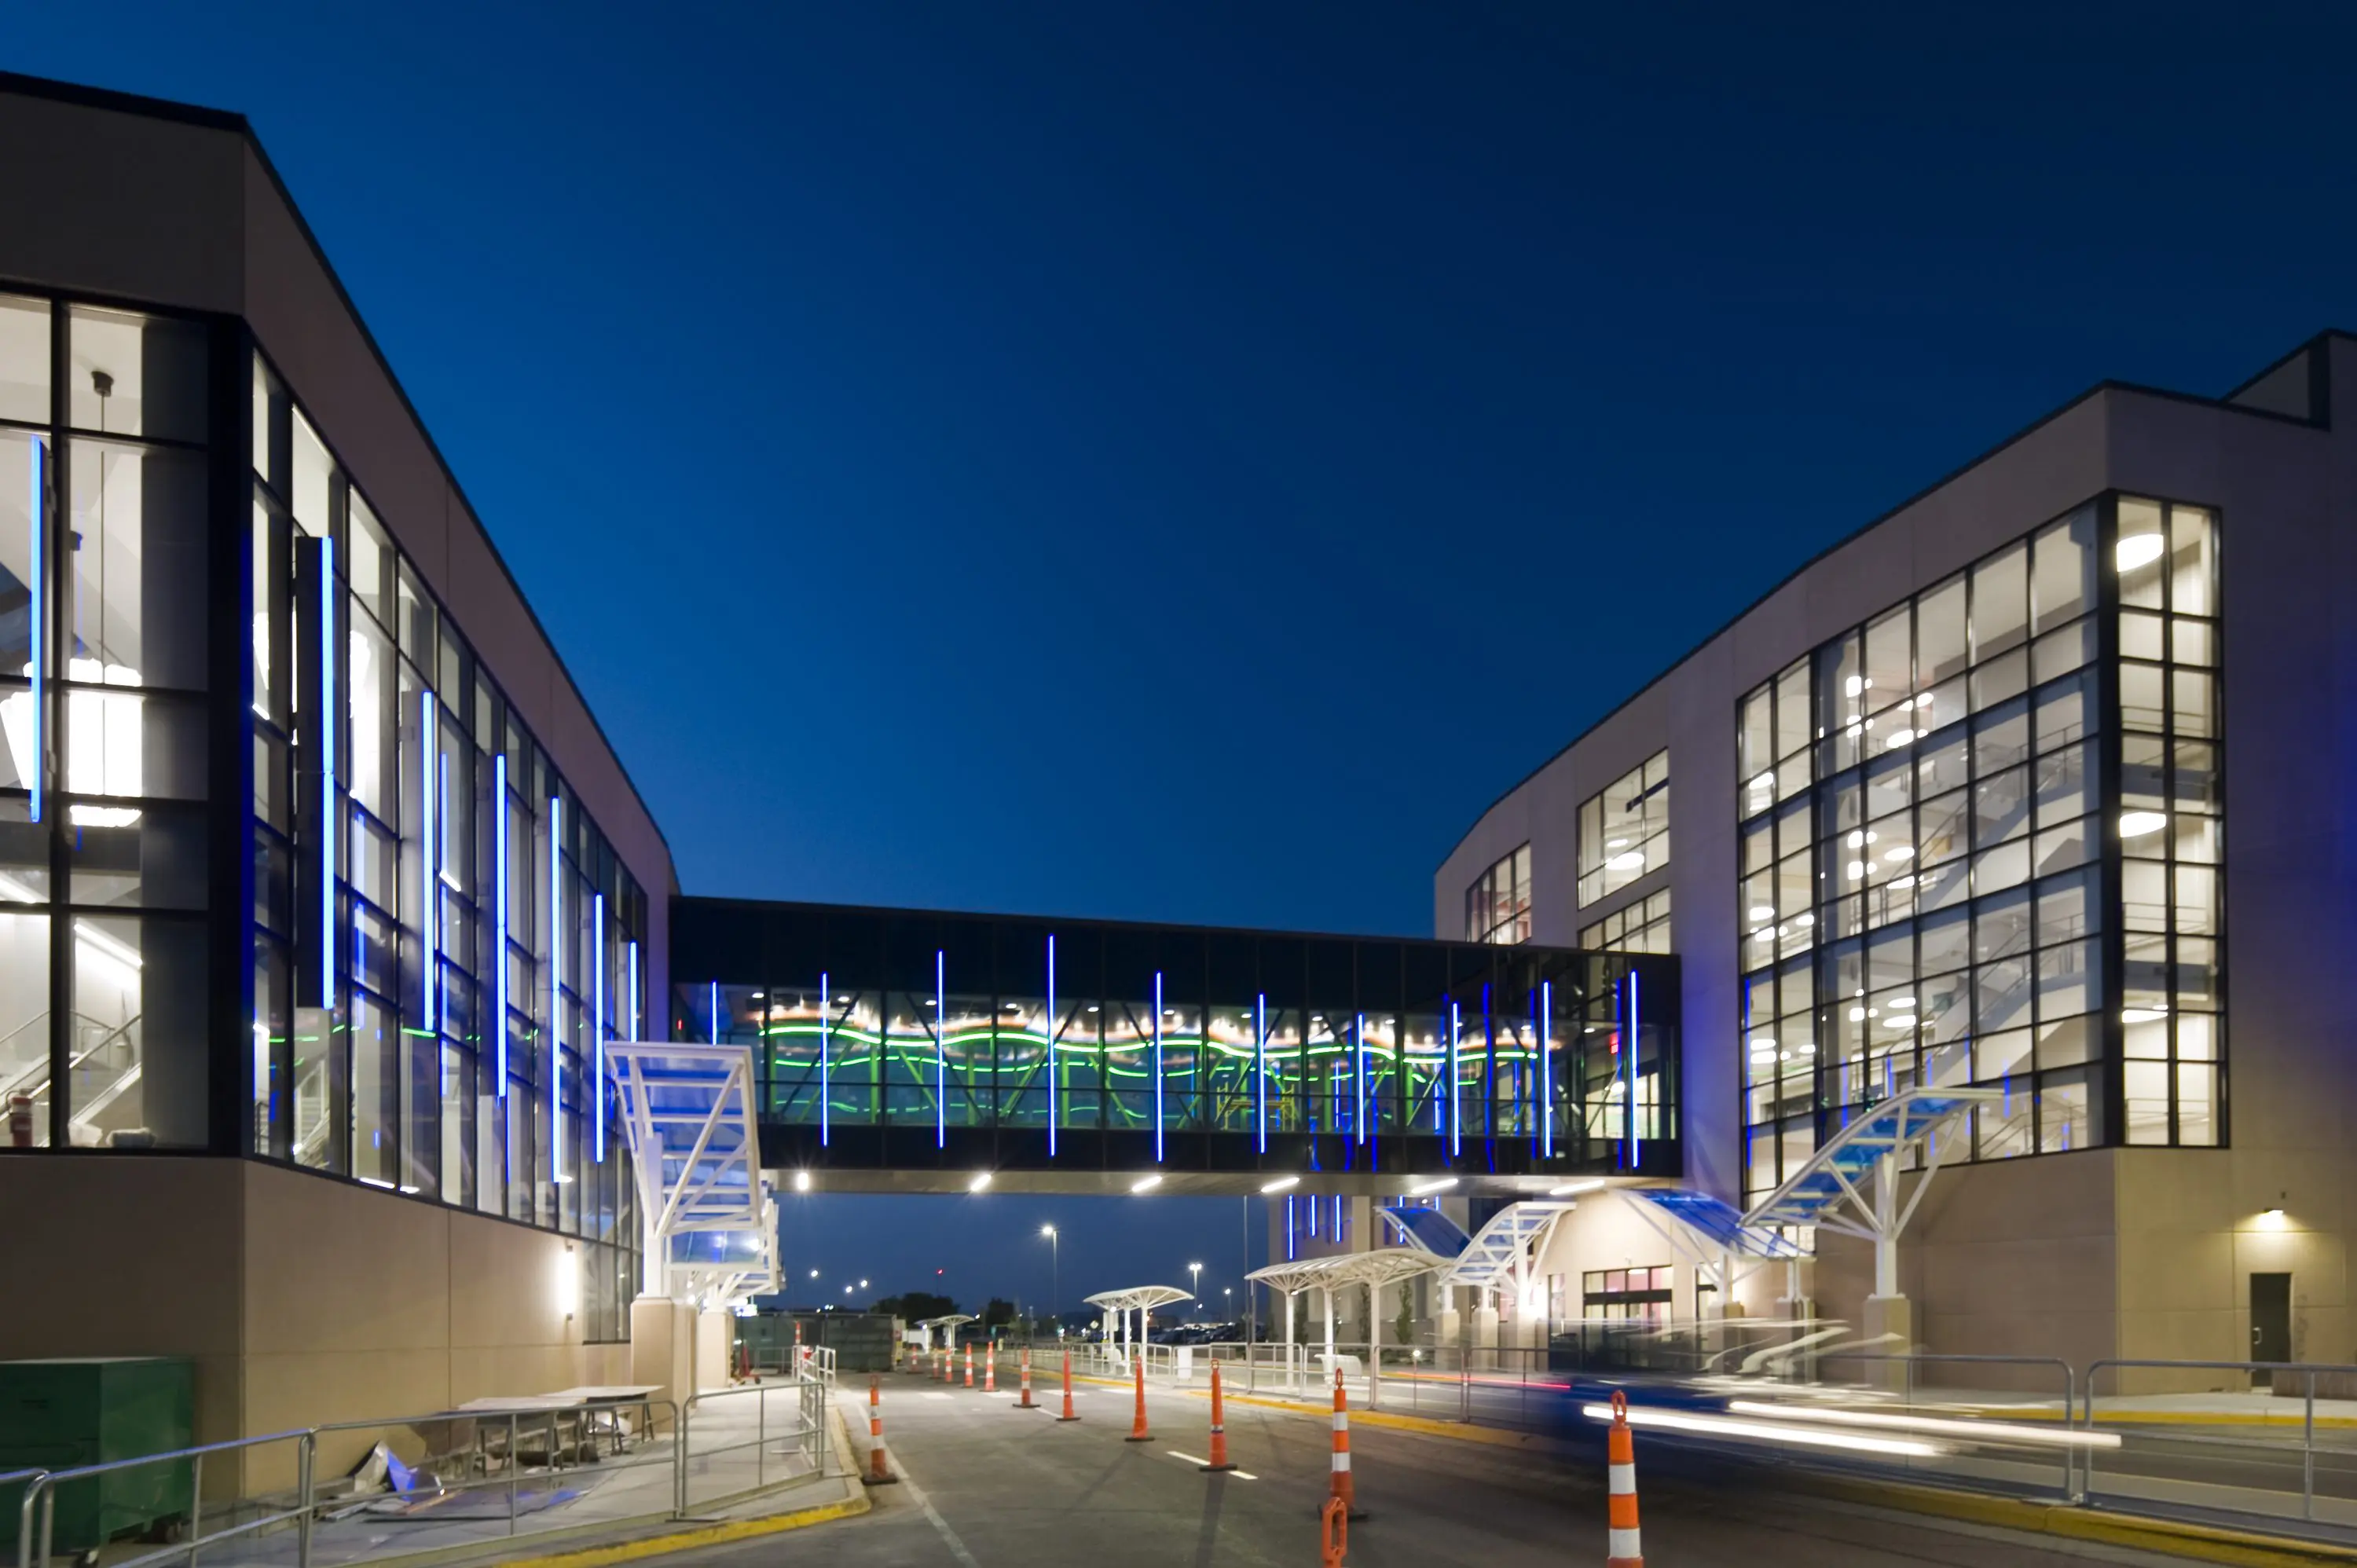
(1485, 1338)
(1447, 1327)
(663, 1348)
(1890, 1331)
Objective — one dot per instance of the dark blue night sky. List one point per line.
(1185, 461)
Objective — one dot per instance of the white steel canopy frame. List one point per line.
(708, 1225)
(1501, 1256)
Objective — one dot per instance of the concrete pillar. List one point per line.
(1485, 1331)
(1447, 1327)
(662, 1347)
(714, 1331)
(1375, 1342)
(1291, 1354)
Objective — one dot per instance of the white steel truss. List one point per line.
(708, 1225)
(1499, 1256)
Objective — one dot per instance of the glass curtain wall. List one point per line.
(1925, 806)
(441, 937)
(1643, 926)
(105, 429)
(1624, 830)
(1497, 905)
(1162, 1033)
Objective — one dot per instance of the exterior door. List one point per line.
(2270, 1318)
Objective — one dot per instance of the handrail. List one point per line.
(46, 1486)
(41, 1069)
(810, 1393)
(2306, 1371)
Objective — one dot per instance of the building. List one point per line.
(2036, 783)
(318, 883)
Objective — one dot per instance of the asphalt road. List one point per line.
(989, 1486)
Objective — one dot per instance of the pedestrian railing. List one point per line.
(717, 1446)
(2288, 1454)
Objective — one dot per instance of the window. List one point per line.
(1641, 1296)
(1922, 806)
(1624, 830)
(1497, 905)
(1641, 927)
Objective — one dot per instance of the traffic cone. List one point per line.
(1218, 1427)
(1068, 1414)
(1344, 1491)
(1333, 1533)
(1025, 1402)
(1621, 1467)
(990, 1368)
(969, 1366)
(1137, 1432)
(880, 1473)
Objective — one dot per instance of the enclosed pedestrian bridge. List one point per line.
(913, 1050)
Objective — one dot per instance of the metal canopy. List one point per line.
(1817, 1193)
(1500, 1254)
(1428, 1230)
(1708, 1225)
(710, 1227)
(1340, 1270)
(947, 1320)
(1138, 1298)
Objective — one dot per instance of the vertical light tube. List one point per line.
(1455, 1121)
(1051, 1045)
(430, 794)
(941, 1051)
(597, 1025)
(500, 908)
(1260, 1075)
(715, 1013)
(327, 824)
(40, 583)
(631, 999)
(1546, 1068)
(825, 1005)
(1628, 1038)
(1158, 1066)
(556, 988)
(1334, 1229)
(1359, 1080)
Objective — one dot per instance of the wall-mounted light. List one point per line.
(566, 1287)
(802, 1181)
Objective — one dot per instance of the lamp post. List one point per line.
(1055, 1267)
(1195, 1279)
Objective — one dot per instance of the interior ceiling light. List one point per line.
(1426, 1188)
(1146, 1184)
(1631, 860)
(2152, 1015)
(1571, 1188)
(2138, 549)
(981, 1179)
(2136, 824)
(1280, 1184)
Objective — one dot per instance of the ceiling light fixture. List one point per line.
(802, 1181)
(1572, 1189)
(1280, 1184)
(2136, 824)
(981, 1179)
(1426, 1188)
(2136, 549)
(1146, 1184)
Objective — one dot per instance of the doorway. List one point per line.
(2270, 1319)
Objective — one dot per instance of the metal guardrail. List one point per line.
(2162, 1439)
(569, 1429)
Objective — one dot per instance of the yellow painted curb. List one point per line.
(702, 1535)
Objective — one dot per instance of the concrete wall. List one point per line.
(303, 1299)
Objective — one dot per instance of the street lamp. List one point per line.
(1195, 1279)
(1055, 1269)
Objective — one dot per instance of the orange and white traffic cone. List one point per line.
(1333, 1533)
(1025, 1402)
(990, 1368)
(969, 1366)
(1068, 1414)
(1343, 1490)
(880, 1473)
(1620, 1466)
(1218, 1427)
(1137, 1432)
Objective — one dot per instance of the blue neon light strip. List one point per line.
(434, 786)
(1359, 1080)
(1291, 1249)
(500, 852)
(556, 988)
(1158, 1066)
(1546, 1068)
(636, 1033)
(941, 1051)
(1052, 1031)
(825, 1005)
(597, 1025)
(1334, 1230)
(1260, 1072)
(328, 772)
(1629, 1040)
(1455, 1128)
(716, 1012)
(40, 591)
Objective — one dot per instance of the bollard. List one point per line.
(1620, 1466)
(1025, 1402)
(1334, 1532)
(969, 1366)
(1218, 1427)
(1345, 1491)
(1068, 1414)
(880, 1473)
(1137, 1432)
(990, 1368)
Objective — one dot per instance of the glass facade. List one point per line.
(1497, 905)
(1979, 844)
(1643, 926)
(1624, 830)
(241, 739)
(947, 1039)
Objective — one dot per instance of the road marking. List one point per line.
(1199, 1464)
(949, 1536)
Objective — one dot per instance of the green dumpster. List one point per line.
(55, 1415)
